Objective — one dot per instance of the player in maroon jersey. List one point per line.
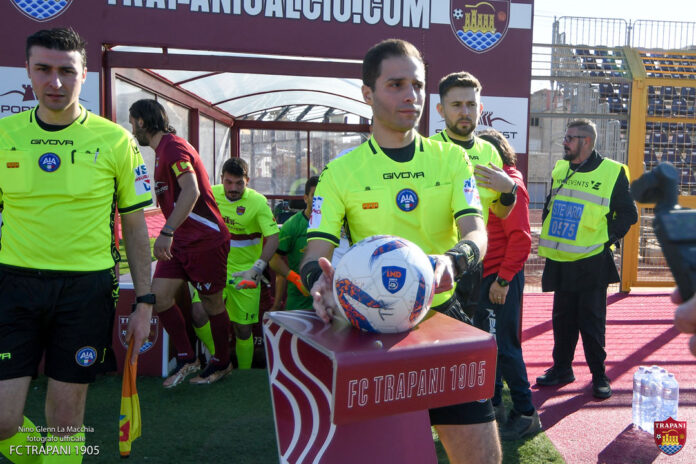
(193, 244)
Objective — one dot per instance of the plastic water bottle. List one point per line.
(650, 393)
(670, 397)
(637, 397)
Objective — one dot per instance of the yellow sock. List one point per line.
(23, 446)
(245, 352)
(206, 336)
(65, 450)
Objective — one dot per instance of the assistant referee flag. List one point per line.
(129, 421)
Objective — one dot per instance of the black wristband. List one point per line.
(508, 198)
(166, 234)
(310, 273)
(466, 256)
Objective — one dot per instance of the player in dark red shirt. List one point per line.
(192, 246)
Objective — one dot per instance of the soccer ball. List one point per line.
(384, 284)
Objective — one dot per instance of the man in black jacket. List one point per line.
(588, 209)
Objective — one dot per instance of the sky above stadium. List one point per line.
(664, 10)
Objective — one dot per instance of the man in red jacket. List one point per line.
(501, 297)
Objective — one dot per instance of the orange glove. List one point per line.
(294, 277)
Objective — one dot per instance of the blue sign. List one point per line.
(565, 219)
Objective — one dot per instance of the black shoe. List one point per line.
(519, 426)
(554, 376)
(600, 387)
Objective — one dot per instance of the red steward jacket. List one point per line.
(509, 240)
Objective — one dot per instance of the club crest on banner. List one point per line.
(151, 338)
(479, 26)
(42, 10)
(670, 435)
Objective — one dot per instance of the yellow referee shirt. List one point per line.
(60, 190)
(418, 200)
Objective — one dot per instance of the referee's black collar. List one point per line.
(466, 144)
(374, 146)
(33, 117)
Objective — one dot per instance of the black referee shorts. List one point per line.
(67, 316)
(476, 412)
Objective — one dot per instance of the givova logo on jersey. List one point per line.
(479, 26)
(42, 10)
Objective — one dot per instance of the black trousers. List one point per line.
(580, 313)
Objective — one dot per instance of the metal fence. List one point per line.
(612, 32)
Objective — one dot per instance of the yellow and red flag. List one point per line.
(129, 422)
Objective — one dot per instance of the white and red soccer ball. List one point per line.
(384, 284)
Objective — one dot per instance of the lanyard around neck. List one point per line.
(569, 173)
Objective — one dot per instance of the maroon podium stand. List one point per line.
(344, 396)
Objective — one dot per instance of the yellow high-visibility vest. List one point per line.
(576, 225)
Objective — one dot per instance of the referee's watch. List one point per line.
(502, 282)
(508, 198)
(148, 298)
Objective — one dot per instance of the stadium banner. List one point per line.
(505, 114)
(492, 40)
(17, 95)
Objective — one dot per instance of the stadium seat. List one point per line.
(616, 105)
(679, 107)
(658, 139)
(606, 89)
(669, 156)
(689, 93)
(649, 157)
(679, 140)
(625, 90)
(667, 92)
(685, 158)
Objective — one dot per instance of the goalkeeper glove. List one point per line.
(250, 278)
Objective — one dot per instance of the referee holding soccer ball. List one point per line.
(401, 183)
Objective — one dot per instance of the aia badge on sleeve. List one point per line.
(151, 338)
(479, 26)
(42, 10)
(670, 435)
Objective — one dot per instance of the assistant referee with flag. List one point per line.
(57, 251)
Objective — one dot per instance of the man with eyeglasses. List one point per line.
(588, 209)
